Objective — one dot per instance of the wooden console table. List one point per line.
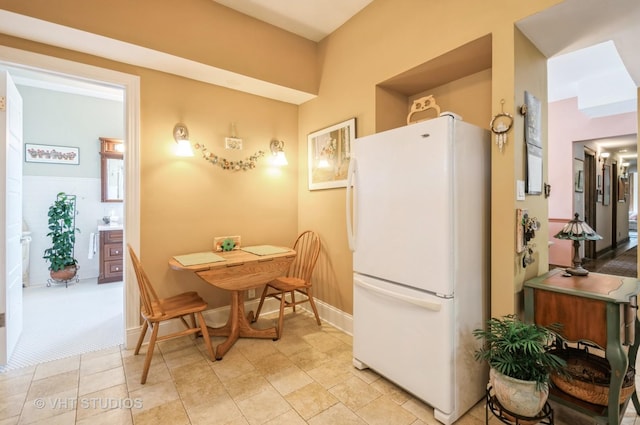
(598, 308)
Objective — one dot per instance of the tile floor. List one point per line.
(304, 378)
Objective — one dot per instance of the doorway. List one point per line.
(130, 85)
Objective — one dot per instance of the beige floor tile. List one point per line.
(385, 411)
(110, 417)
(391, 390)
(337, 414)
(289, 379)
(323, 341)
(199, 391)
(54, 384)
(255, 349)
(49, 405)
(246, 385)
(273, 364)
(310, 400)
(26, 371)
(172, 413)
(309, 359)
(329, 374)
(423, 411)
(56, 367)
(11, 405)
(231, 367)
(15, 385)
(181, 357)
(263, 406)
(291, 345)
(354, 393)
(10, 421)
(67, 418)
(220, 410)
(94, 364)
(112, 398)
(101, 380)
(288, 418)
(153, 395)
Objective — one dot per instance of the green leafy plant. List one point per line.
(519, 350)
(62, 232)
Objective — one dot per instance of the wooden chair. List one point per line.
(297, 280)
(155, 310)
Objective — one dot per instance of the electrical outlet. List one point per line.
(251, 293)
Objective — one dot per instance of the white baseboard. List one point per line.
(218, 317)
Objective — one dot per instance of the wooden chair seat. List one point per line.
(297, 280)
(155, 310)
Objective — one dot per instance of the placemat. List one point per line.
(198, 258)
(265, 249)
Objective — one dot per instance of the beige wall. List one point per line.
(185, 203)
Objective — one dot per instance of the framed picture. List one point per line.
(329, 154)
(578, 171)
(51, 154)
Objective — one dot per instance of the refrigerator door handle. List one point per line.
(350, 175)
(430, 305)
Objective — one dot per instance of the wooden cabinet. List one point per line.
(598, 308)
(111, 256)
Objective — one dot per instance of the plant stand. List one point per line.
(545, 416)
(73, 280)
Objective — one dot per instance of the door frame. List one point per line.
(590, 216)
(131, 85)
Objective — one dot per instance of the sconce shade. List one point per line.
(277, 150)
(181, 136)
(577, 230)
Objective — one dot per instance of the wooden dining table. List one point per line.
(238, 271)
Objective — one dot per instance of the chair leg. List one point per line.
(205, 335)
(143, 332)
(262, 297)
(313, 305)
(147, 359)
(281, 317)
(293, 299)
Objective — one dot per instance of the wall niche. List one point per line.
(459, 80)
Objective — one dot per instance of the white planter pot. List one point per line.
(517, 396)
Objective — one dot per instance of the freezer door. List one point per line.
(406, 336)
(402, 205)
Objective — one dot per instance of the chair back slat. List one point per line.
(307, 248)
(148, 295)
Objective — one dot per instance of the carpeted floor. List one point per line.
(624, 264)
(61, 322)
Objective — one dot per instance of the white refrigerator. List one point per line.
(418, 223)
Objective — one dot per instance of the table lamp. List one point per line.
(577, 230)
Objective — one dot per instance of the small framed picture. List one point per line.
(329, 154)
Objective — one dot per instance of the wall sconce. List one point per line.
(277, 150)
(624, 169)
(181, 136)
(603, 157)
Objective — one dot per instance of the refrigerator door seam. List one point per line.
(415, 301)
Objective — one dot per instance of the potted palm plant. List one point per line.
(520, 359)
(62, 231)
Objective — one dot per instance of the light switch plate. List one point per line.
(519, 190)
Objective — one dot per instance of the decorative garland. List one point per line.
(244, 165)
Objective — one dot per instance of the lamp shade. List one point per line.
(577, 230)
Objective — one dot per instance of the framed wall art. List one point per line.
(606, 178)
(578, 179)
(51, 154)
(329, 153)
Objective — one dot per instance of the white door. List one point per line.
(403, 206)
(406, 336)
(10, 217)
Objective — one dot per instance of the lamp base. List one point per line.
(577, 271)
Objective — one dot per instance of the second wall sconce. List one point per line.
(181, 136)
(277, 150)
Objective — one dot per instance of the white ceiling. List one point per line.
(311, 19)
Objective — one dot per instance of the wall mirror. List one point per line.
(112, 169)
